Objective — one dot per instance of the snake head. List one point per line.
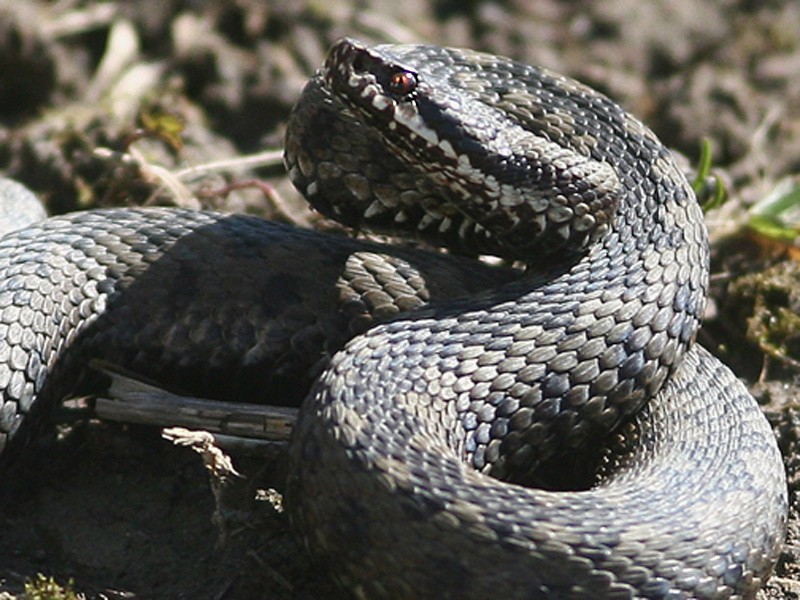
(433, 142)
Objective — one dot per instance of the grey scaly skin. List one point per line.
(160, 292)
(398, 441)
(488, 374)
(19, 206)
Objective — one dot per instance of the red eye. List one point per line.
(402, 83)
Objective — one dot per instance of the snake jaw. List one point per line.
(479, 177)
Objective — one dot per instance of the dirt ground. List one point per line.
(112, 511)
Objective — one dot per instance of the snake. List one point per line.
(444, 396)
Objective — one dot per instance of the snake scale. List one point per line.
(459, 380)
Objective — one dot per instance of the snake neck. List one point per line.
(482, 154)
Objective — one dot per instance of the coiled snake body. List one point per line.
(408, 454)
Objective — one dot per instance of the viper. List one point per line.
(441, 388)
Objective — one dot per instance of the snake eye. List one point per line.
(402, 83)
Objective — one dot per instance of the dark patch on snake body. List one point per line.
(206, 303)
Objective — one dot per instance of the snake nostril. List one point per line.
(360, 63)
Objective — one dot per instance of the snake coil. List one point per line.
(402, 441)
(408, 458)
